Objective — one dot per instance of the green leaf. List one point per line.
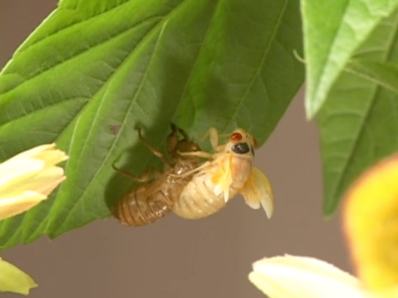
(95, 69)
(333, 31)
(358, 123)
(14, 280)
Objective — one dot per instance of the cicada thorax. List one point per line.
(201, 197)
(153, 200)
(241, 167)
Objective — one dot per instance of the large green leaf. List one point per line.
(333, 32)
(359, 123)
(96, 68)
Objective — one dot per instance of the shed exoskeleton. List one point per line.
(158, 191)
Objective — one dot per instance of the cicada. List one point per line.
(195, 183)
(229, 171)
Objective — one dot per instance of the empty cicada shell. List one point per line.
(158, 191)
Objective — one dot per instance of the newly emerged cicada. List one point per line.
(228, 172)
(196, 184)
(158, 191)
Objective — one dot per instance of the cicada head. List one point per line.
(241, 143)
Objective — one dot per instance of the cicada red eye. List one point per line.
(236, 137)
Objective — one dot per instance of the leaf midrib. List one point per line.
(327, 60)
(194, 65)
(260, 66)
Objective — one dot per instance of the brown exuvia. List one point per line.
(158, 191)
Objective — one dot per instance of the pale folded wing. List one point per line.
(257, 192)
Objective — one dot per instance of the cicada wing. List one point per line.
(257, 192)
(222, 178)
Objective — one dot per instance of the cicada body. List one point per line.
(230, 171)
(194, 188)
(158, 192)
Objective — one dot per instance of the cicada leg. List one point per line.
(175, 128)
(191, 172)
(200, 154)
(172, 139)
(153, 150)
(214, 138)
(145, 177)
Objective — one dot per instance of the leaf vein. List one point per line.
(76, 55)
(260, 66)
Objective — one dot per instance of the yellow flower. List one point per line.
(25, 180)
(371, 227)
(28, 178)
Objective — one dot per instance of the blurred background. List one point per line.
(179, 258)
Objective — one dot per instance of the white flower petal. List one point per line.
(19, 203)
(48, 187)
(27, 178)
(17, 173)
(43, 181)
(52, 157)
(31, 153)
(303, 277)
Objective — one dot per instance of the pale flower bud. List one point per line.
(28, 178)
(12, 279)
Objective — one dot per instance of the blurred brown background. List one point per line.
(177, 258)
